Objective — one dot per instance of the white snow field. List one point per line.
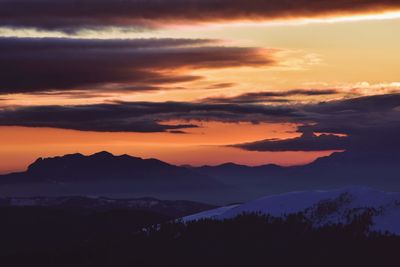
(321, 207)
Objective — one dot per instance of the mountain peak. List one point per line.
(78, 163)
(104, 173)
(102, 154)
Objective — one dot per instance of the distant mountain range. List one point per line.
(170, 208)
(103, 174)
(341, 169)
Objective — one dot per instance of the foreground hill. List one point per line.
(322, 208)
(315, 228)
(52, 238)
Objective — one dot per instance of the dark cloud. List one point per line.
(177, 132)
(71, 15)
(36, 65)
(365, 124)
(308, 141)
(136, 116)
(270, 96)
(357, 115)
(371, 124)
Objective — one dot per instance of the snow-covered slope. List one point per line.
(209, 214)
(322, 207)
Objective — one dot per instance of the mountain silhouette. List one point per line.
(350, 168)
(104, 174)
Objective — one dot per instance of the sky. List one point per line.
(198, 82)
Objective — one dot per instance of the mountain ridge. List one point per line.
(103, 173)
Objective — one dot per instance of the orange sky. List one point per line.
(357, 55)
(203, 146)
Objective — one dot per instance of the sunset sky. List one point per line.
(198, 82)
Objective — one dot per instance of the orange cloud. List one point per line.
(63, 15)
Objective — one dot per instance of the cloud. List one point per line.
(308, 141)
(136, 116)
(70, 15)
(218, 86)
(362, 124)
(270, 96)
(371, 124)
(35, 65)
(355, 115)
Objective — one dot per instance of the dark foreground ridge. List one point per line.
(116, 239)
(169, 208)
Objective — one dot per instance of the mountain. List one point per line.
(322, 208)
(251, 182)
(350, 168)
(236, 174)
(105, 174)
(104, 166)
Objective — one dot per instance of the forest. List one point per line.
(48, 237)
